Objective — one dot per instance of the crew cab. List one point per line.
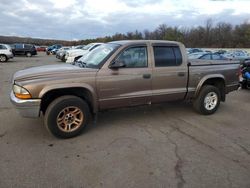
(120, 74)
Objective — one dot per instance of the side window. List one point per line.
(207, 57)
(166, 56)
(216, 57)
(18, 46)
(27, 46)
(2, 47)
(134, 57)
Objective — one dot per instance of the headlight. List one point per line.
(21, 92)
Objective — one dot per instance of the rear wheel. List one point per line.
(28, 54)
(244, 85)
(208, 100)
(67, 116)
(3, 58)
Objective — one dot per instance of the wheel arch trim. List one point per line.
(87, 87)
(206, 78)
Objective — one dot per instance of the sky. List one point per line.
(83, 19)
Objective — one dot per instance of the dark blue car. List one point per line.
(50, 48)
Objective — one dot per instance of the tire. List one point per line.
(28, 54)
(63, 58)
(208, 100)
(244, 85)
(3, 58)
(60, 119)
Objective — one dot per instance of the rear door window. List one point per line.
(19, 46)
(27, 46)
(166, 56)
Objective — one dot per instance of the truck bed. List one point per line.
(199, 70)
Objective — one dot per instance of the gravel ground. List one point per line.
(167, 145)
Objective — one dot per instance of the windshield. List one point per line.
(88, 46)
(94, 58)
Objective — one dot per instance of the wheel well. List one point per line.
(219, 83)
(79, 92)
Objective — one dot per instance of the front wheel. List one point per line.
(208, 100)
(3, 58)
(67, 116)
(28, 54)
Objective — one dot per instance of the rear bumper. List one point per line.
(233, 87)
(27, 108)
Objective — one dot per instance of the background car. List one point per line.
(5, 52)
(74, 54)
(24, 49)
(60, 54)
(50, 48)
(237, 55)
(208, 56)
(41, 48)
(193, 50)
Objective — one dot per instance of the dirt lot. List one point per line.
(165, 145)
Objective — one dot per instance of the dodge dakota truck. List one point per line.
(120, 74)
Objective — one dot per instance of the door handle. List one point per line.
(181, 74)
(146, 76)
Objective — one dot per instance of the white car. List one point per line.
(5, 52)
(73, 54)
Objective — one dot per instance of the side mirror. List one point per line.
(117, 64)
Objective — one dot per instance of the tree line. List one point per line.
(210, 35)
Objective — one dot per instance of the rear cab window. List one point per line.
(167, 56)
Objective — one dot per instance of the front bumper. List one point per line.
(9, 56)
(70, 59)
(27, 108)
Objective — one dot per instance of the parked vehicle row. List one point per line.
(74, 54)
(196, 53)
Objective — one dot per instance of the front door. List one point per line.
(129, 85)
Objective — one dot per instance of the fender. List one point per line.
(49, 88)
(204, 79)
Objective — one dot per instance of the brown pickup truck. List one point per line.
(120, 74)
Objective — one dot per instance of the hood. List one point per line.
(49, 71)
(76, 51)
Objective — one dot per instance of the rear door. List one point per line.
(126, 86)
(169, 79)
(19, 49)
